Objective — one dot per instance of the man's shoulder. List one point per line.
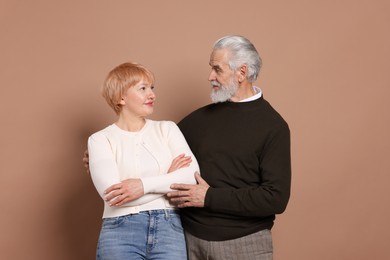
(203, 108)
(199, 111)
(272, 112)
(194, 116)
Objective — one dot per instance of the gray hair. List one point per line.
(242, 52)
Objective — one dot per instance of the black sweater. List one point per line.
(243, 150)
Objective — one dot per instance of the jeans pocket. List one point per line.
(175, 222)
(110, 223)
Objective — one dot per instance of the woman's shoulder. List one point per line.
(107, 131)
(162, 123)
(165, 127)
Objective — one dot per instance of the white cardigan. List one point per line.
(114, 156)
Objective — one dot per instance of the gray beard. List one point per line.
(224, 93)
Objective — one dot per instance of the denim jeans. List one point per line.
(152, 235)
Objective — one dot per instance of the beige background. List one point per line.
(326, 70)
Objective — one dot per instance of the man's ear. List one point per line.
(243, 72)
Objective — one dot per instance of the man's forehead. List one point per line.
(219, 57)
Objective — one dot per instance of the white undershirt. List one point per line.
(258, 95)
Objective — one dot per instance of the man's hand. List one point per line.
(179, 162)
(189, 195)
(86, 160)
(125, 191)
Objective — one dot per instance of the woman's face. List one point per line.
(139, 100)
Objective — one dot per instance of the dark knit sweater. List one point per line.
(243, 150)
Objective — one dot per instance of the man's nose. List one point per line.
(212, 76)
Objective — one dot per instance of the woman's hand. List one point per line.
(125, 191)
(180, 161)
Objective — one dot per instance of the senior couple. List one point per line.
(207, 188)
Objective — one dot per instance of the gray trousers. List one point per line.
(256, 246)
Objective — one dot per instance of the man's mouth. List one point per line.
(215, 85)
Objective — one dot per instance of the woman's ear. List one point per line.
(122, 102)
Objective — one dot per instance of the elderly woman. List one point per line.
(133, 162)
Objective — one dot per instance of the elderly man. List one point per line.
(243, 148)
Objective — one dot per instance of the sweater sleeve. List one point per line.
(272, 195)
(104, 170)
(177, 145)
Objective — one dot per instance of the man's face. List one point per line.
(223, 80)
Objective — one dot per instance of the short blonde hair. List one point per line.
(120, 79)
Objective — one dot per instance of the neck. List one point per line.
(129, 123)
(245, 90)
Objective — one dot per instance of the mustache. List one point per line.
(215, 83)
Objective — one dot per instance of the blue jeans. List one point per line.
(152, 235)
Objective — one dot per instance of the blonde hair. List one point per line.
(120, 79)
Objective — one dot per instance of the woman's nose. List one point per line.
(152, 95)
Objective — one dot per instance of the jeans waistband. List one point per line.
(160, 211)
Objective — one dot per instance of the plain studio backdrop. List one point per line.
(326, 70)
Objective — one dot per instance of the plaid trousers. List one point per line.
(256, 246)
